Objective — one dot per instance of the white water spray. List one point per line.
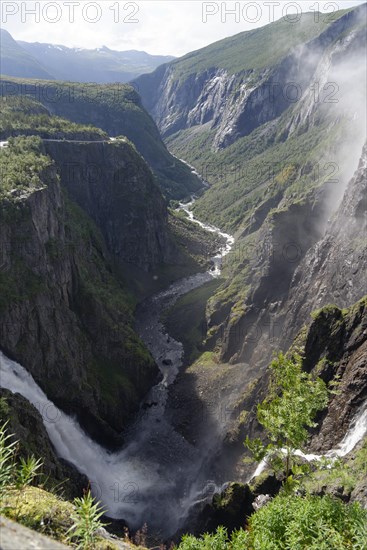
(356, 432)
(224, 250)
(158, 477)
(126, 482)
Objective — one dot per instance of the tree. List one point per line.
(294, 399)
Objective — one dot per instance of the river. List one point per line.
(158, 476)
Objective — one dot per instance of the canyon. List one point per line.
(157, 249)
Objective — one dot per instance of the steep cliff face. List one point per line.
(334, 344)
(278, 165)
(301, 269)
(337, 341)
(333, 270)
(115, 187)
(232, 98)
(64, 315)
(117, 110)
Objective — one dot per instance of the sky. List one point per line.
(166, 27)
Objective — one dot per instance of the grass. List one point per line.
(114, 108)
(24, 116)
(41, 511)
(253, 50)
(50, 515)
(342, 477)
(186, 322)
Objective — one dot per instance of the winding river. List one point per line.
(158, 476)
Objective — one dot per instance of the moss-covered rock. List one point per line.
(229, 508)
(345, 478)
(41, 511)
(50, 515)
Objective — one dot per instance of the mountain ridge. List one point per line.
(58, 62)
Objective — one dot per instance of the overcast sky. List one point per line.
(172, 27)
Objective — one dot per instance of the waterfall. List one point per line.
(357, 430)
(157, 477)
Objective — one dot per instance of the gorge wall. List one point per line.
(64, 314)
(278, 132)
(232, 88)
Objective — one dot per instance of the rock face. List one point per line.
(338, 338)
(229, 508)
(233, 103)
(335, 347)
(321, 268)
(115, 187)
(333, 270)
(64, 314)
(117, 110)
(14, 535)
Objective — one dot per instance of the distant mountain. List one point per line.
(101, 65)
(16, 61)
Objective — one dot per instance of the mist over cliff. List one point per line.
(160, 242)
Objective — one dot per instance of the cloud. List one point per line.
(172, 27)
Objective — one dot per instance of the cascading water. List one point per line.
(217, 260)
(356, 432)
(158, 476)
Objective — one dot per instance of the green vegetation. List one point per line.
(14, 475)
(86, 522)
(259, 168)
(116, 109)
(281, 162)
(341, 476)
(290, 522)
(186, 320)
(217, 541)
(254, 50)
(310, 522)
(194, 241)
(24, 116)
(249, 180)
(74, 523)
(289, 410)
(23, 167)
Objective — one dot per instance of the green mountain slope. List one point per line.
(278, 137)
(254, 50)
(16, 61)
